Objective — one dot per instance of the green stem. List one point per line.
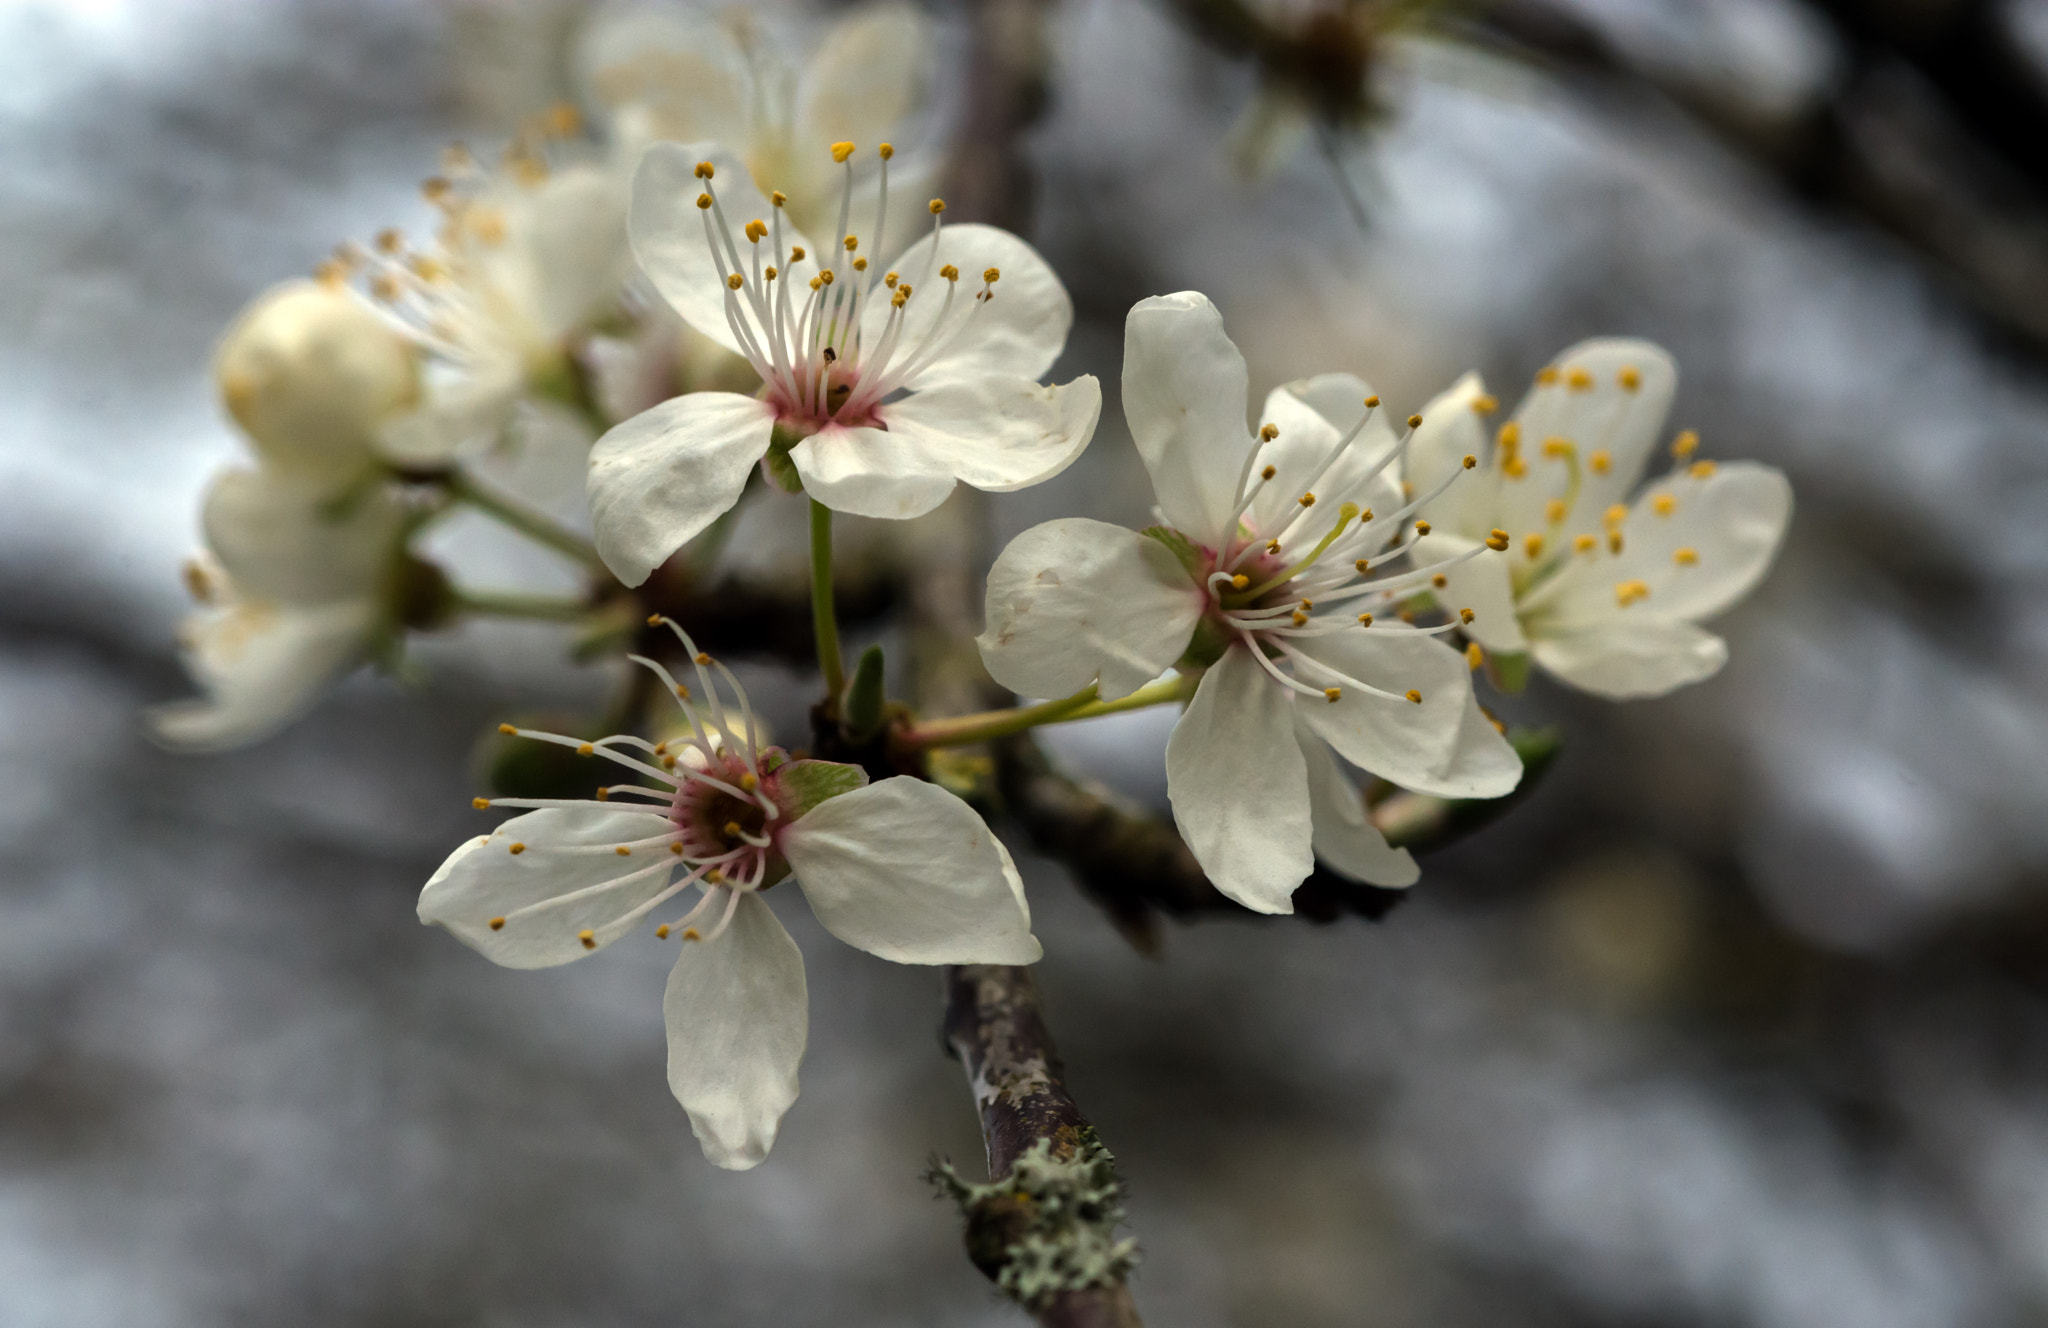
(824, 616)
(991, 724)
(536, 526)
(518, 604)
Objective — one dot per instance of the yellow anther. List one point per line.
(1422, 527)
(661, 932)
(889, 279)
(481, 804)
(1470, 461)
(826, 277)
(770, 272)
(517, 849)
(1615, 515)
(778, 198)
(588, 937)
(385, 287)
(1366, 515)
(1307, 500)
(1685, 557)
(817, 284)
(623, 851)
(1628, 592)
(1300, 618)
(1372, 403)
(852, 243)
(1585, 543)
(705, 170)
(676, 847)
(1465, 615)
(1554, 511)
(1415, 421)
(1240, 581)
(1532, 544)
(1268, 432)
(1365, 620)
(900, 298)
(1614, 541)
(691, 933)
(841, 151)
(796, 253)
(1415, 696)
(1269, 472)
(1578, 380)
(604, 795)
(1510, 436)
(750, 781)
(1333, 694)
(1664, 504)
(1547, 375)
(683, 690)
(757, 230)
(1630, 378)
(905, 289)
(654, 620)
(703, 202)
(1701, 469)
(1440, 581)
(436, 189)
(860, 264)
(887, 150)
(937, 206)
(733, 282)
(1514, 467)
(1308, 604)
(1601, 461)
(1474, 656)
(732, 829)
(701, 657)
(949, 272)
(1363, 566)
(1497, 541)
(497, 924)
(586, 749)
(1685, 444)
(715, 876)
(508, 730)
(991, 275)
(1485, 404)
(390, 241)
(1272, 546)
(1557, 449)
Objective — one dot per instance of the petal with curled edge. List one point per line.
(1184, 387)
(1239, 785)
(1346, 841)
(569, 855)
(1000, 434)
(873, 472)
(261, 666)
(667, 231)
(738, 1016)
(907, 871)
(660, 478)
(1630, 660)
(1075, 601)
(957, 337)
(869, 75)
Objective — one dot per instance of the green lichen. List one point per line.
(1049, 1225)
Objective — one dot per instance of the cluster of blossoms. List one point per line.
(1318, 591)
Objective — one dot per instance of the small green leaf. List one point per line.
(1510, 673)
(1182, 548)
(861, 714)
(802, 785)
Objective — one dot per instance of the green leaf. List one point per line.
(802, 785)
(862, 712)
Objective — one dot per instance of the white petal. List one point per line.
(1481, 584)
(1337, 397)
(662, 476)
(1000, 434)
(905, 870)
(1604, 417)
(1413, 745)
(1627, 659)
(567, 853)
(1313, 415)
(1016, 333)
(564, 255)
(870, 74)
(1346, 840)
(1731, 522)
(1483, 762)
(667, 230)
(1184, 398)
(873, 472)
(1075, 601)
(678, 74)
(1452, 430)
(261, 667)
(1239, 785)
(738, 1016)
(285, 541)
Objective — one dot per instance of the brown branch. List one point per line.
(995, 1027)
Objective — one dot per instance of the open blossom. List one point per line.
(684, 76)
(298, 588)
(900, 868)
(883, 385)
(1604, 593)
(528, 257)
(312, 373)
(1268, 573)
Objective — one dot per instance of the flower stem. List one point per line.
(824, 616)
(536, 526)
(1081, 705)
(518, 604)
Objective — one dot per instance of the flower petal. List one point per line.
(738, 1016)
(1413, 745)
(1601, 416)
(1346, 840)
(667, 231)
(1451, 430)
(870, 74)
(566, 856)
(1239, 785)
(1481, 584)
(1000, 434)
(673, 74)
(1627, 660)
(282, 540)
(1313, 416)
(1016, 333)
(662, 476)
(873, 472)
(1184, 387)
(905, 870)
(564, 254)
(261, 667)
(1076, 601)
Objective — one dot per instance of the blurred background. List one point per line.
(1740, 1020)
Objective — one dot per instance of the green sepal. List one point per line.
(861, 712)
(802, 785)
(777, 466)
(1508, 673)
(1211, 638)
(1182, 548)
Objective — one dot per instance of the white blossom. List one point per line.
(1265, 573)
(1604, 593)
(298, 588)
(886, 386)
(900, 868)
